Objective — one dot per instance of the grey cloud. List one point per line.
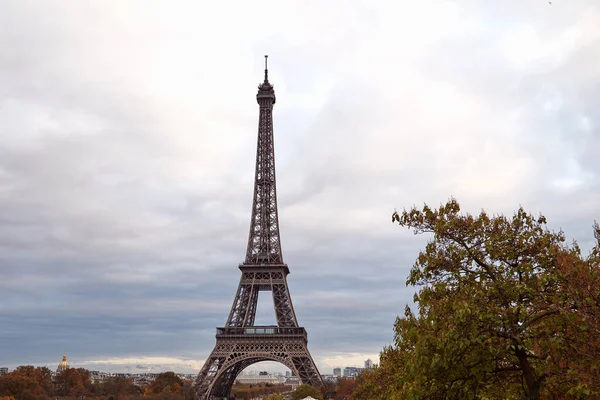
(125, 208)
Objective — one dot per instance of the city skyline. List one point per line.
(127, 160)
(254, 369)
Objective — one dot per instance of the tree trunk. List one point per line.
(533, 384)
(534, 392)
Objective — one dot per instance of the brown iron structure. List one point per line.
(240, 343)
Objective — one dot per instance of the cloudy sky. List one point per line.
(127, 144)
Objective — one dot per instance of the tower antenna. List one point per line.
(266, 69)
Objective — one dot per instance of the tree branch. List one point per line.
(539, 317)
(506, 369)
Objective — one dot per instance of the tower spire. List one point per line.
(266, 69)
(264, 246)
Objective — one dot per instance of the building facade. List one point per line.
(254, 379)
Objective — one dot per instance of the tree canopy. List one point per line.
(36, 383)
(505, 309)
(166, 381)
(26, 382)
(275, 396)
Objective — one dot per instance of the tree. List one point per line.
(188, 389)
(27, 382)
(43, 377)
(303, 391)
(381, 382)
(118, 387)
(275, 396)
(344, 389)
(495, 311)
(577, 358)
(328, 389)
(164, 380)
(73, 382)
(19, 386)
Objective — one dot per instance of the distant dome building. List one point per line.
(64, 364)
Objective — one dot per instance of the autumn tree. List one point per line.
(328, 389)
(41, 375)
(117, 387)
(166, 380)
(495, 313)
(73, 382)
(344, 389)
(577, 357)
(18, 385)
(381, 382)
(188, 389)
(27, 382)
(275, 396)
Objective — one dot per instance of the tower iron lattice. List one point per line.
(240, 343)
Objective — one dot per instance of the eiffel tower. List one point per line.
(240, 343)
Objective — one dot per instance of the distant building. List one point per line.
(253, 379)
(350, 372)
(330, 378)
(337, 372)
(294, 382)
(63, 364)
(99, 377)
(368, 363)
(3, 371)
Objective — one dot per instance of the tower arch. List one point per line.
(228, 373)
